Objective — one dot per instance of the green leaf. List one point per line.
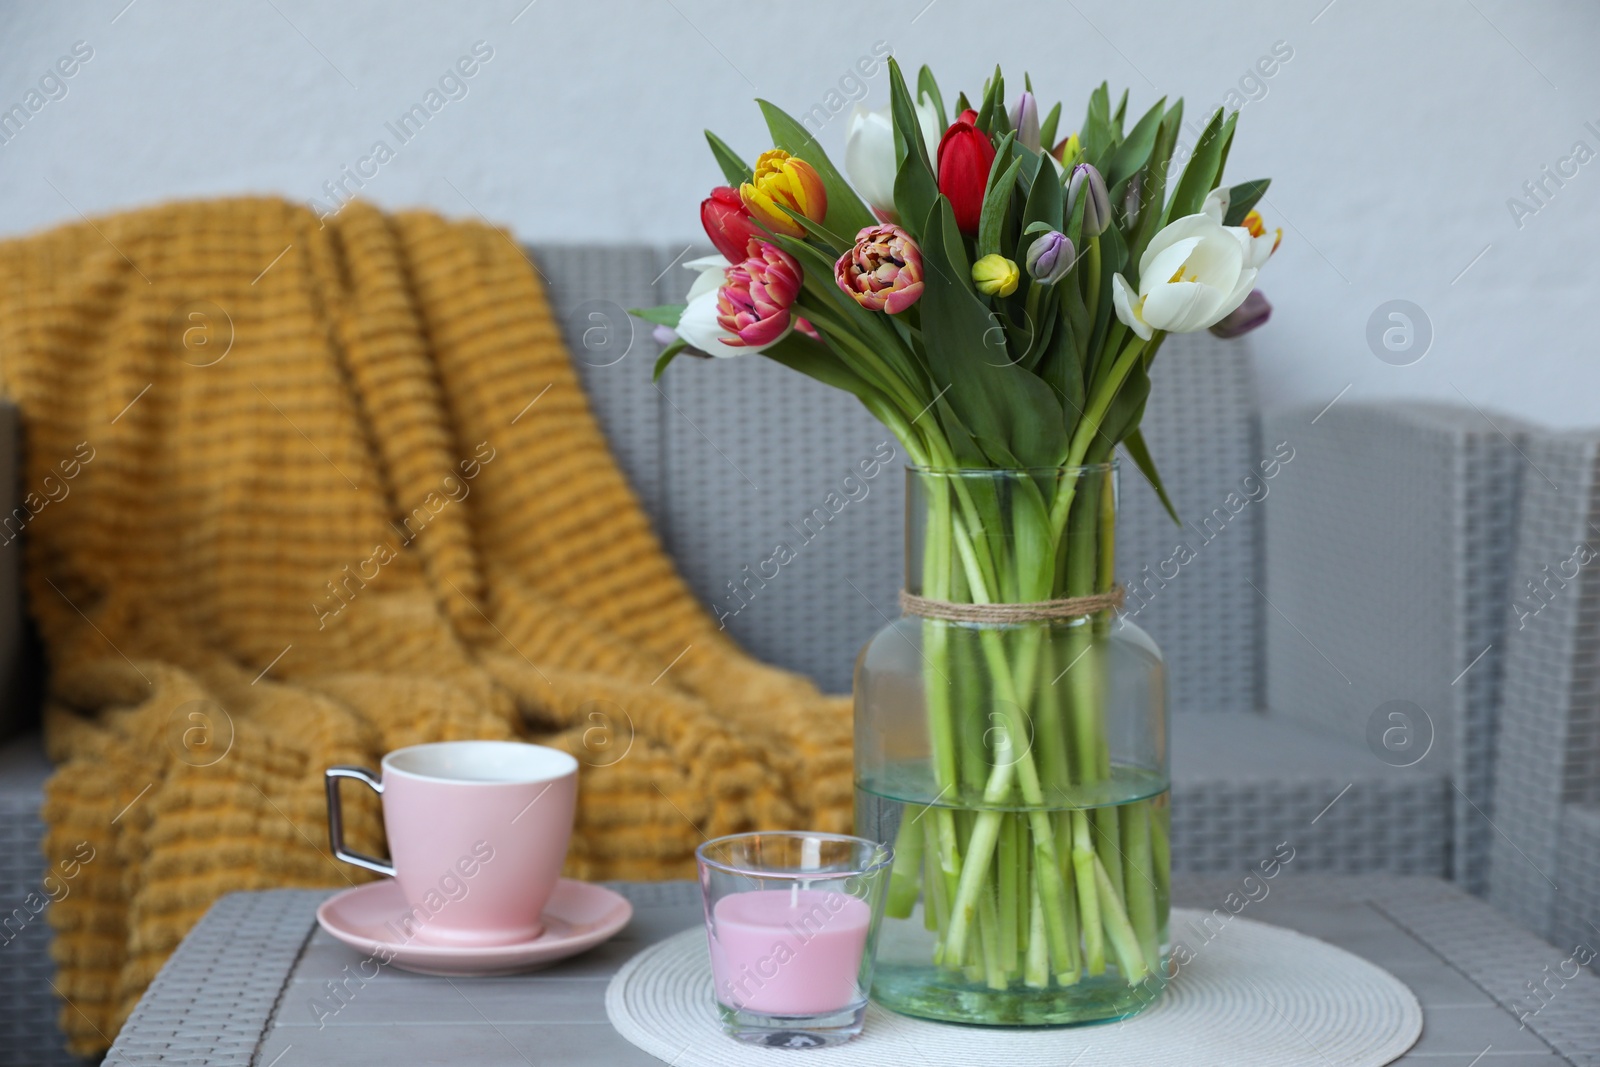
(1243, 197)
(997, 198)
(907, 127)
(1153, 189)
(1014, 416)
(914, 187)
(1200, 175)
(1096, 133)
(800, 353)
(855, 323)
(1132, 153)
(1227, 146)
(1073, 306)
(992, 113)
(664, 315)
(1047, 128)
(1139, 452)
(1113, 260)
(928, 87)
(1062, 368)
(733, 168)
(846, 213)
(1043, 204)
(667, 355)
(1122, 417)
(963, 448)
(1120, 115)
(962, 104)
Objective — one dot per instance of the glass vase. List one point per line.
(1017, 765)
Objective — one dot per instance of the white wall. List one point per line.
(1395, 135)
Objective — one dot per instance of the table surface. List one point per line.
(241, 988)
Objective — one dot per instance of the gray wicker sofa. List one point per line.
(1306, 610)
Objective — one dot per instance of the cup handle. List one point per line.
(336, 818)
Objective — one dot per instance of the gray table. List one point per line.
(240, 988)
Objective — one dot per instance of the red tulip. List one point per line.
(965, 156)
(728, 224)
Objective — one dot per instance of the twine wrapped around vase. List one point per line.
(1072, 607)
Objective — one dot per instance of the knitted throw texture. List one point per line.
(349, 533)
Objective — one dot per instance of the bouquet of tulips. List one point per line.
(995, 296)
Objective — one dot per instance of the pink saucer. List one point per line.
(578, 917)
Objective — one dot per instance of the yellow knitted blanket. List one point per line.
(298, 495)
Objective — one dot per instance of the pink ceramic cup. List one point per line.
(477, 832)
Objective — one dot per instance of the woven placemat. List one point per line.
(1254, 994)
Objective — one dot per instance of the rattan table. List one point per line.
(241, 988)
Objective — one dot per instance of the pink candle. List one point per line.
(788, 951)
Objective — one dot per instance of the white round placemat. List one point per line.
(1253, 994)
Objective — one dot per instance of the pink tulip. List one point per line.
(883, 272)
(754, 303)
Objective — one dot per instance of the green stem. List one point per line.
(1124, 943)
(994, 972)
(1091, 299)
(1036, 974)
(905, 877)
(1009, 859)
(936, 902)
(1139, 886)
(1083, 866)
(1089, 426)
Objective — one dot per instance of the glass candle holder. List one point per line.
(792, 923)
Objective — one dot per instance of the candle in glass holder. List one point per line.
(789, 951)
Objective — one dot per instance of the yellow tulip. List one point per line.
(995, 275)
(784, 188)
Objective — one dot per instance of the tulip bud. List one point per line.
(784, 188)
(1255, 311)
(1097, 209)
(1067, 150)
(1049, 258)
(726, 223)
(965, 156)
(995, 275)
(1025, 121)
(1130, 198)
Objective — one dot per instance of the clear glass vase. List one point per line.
(1019, 768)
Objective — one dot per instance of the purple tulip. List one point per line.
(1255, 311)
(664, 335)
(1049, 258)
(1025, 120)
(1097, 210)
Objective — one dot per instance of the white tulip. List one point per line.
(698, 324)
(1217, 201)
(1258, 247)
(869, 151)
(1194, 272)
